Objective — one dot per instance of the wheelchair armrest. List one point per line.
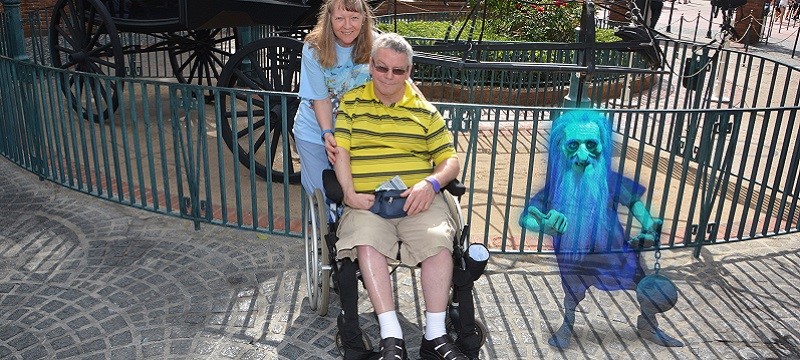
(333, 190)
(456, 188)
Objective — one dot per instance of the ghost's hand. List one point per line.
(551, 223)
(555, 222)
(648, 237)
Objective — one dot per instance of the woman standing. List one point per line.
(335, 60)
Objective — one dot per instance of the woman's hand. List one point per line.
(330, 147)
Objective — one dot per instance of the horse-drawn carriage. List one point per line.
(199, 38)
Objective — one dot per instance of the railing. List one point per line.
(677, 24)
(720, 163)
(161, 150)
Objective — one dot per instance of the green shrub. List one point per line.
(606, 36)
(554, 22)
(438, 29)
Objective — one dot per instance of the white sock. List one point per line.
(390, 326)
(434, 325)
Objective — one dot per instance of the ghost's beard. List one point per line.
(583, 198)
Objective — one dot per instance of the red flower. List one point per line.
(539, 9)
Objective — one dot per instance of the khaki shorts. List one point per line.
(423, 235)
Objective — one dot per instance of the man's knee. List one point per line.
(441, 259)
(366, 251)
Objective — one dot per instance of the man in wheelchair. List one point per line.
(385, 131)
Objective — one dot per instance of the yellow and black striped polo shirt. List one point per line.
(406, 138)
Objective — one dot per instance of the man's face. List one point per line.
(582, 146)
(389, 70)
(346, 25)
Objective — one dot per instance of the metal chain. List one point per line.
(657, 255)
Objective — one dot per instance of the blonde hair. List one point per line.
(323, 40)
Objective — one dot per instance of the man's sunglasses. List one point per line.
(383, 69)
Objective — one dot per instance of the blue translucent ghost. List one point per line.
(578, 207)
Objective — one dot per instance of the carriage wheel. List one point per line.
(198, 56)
(83, 38)
(252, 123)
(318, 267)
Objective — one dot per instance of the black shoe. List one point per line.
(440, 348)
(393, 349)
(361, 354)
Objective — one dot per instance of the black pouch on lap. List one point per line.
(388, 204)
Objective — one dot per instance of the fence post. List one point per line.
(625, 98)
(697, 27)
(576, 97)
(29, 121)
(15, 30)
(669, 21)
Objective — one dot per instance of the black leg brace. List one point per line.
(462, 314)
(349, 328)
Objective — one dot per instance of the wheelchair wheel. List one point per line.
(340, 346)
(318, 267)
(479, 327)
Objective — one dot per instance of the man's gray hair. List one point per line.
(394, 42)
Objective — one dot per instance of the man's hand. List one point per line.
(552, 223)
(418, 198)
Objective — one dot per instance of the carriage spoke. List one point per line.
(70, 28)
(262, 78)
(259, 143)
(93, 68)
(256, 100)
(188, 62)
(276, 140)
(243, 80)
(245, 132)
(95, 40)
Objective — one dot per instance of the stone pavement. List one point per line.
(779, 39)
(84, 278)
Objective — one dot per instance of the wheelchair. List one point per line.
(324, 272)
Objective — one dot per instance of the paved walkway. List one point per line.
(780, 38)
(84, 278)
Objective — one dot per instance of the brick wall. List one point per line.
(28, 5)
